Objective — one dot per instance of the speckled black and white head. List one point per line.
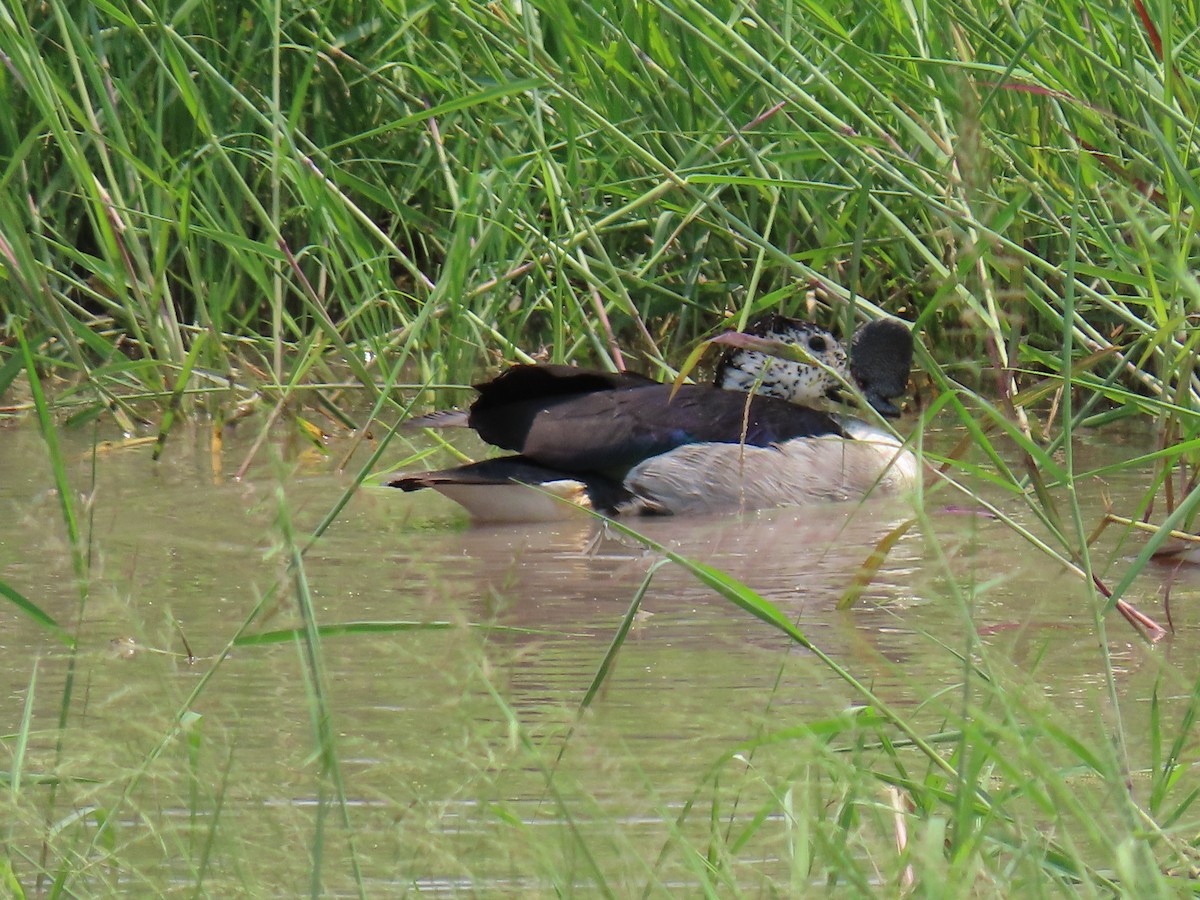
(798, 382)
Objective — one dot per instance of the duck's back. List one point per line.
(610, 430)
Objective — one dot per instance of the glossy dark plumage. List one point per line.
(580, 432)
(611, 430)
(507, 499)
(594, 437)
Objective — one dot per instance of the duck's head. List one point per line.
(745, 369)
(880, 360)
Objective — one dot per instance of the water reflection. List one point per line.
(423, 717)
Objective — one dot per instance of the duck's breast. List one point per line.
(702, 477)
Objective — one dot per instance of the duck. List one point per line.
(620, 443)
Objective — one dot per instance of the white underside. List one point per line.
(517, 502)
(701, 477)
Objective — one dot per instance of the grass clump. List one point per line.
(290, 186)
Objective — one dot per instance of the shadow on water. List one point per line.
(433, 760)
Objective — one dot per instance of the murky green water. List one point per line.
(435, 728)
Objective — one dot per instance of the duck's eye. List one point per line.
(816, 344)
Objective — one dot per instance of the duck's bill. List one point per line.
(882, 405)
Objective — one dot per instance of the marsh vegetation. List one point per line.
(239, 244)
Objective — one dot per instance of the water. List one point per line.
(444, 737)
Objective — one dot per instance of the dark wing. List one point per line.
(504, 412)
(610, 431)
(603, 493)
(523, 383)
(501, 470)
